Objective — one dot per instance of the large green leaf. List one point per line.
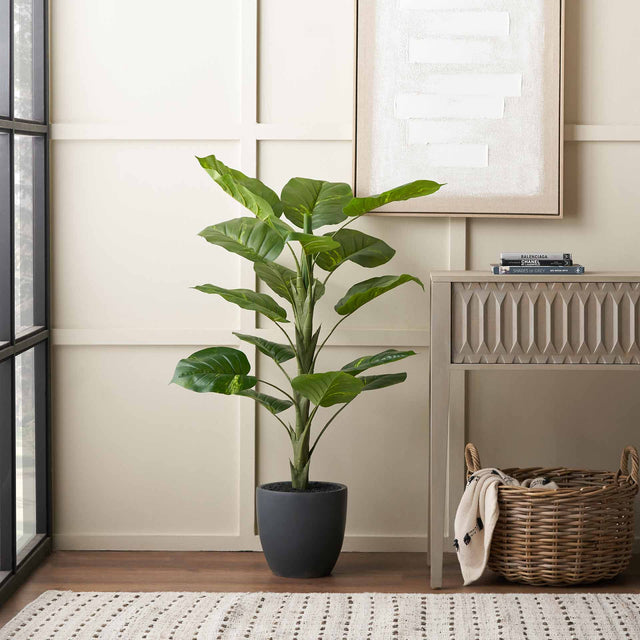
(216, 369)
(367, 290)
(278, 352)
(384, 357)
(282, 280)
(358, 206)
(250, 238)
(381, 381)
(327, 389)
(323, 201)
(274, 405)
(314, 244)
(247, 299)
(249, 192)
(356, 246)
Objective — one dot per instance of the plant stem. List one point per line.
(305, 352)
(346, 224)
(324, 282)
(335, 326)
(335, 415)
(278, 388)
(286, 375)
(285, 333)
(293, 253)
(284, 424)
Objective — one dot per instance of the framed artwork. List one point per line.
(464, 92)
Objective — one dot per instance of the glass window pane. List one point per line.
(28, 232)
(6, 455)
(5, 26)
(28, 59)
(25, 408)
(5, 239)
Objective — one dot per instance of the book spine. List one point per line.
(535, 256)
(535, 263)
(576, 269)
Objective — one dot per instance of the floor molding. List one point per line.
(213, 542)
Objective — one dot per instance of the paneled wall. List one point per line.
(138, 90)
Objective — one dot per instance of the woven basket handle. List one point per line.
(629, 453)
(472, 459)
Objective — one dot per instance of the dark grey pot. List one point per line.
(301, 531)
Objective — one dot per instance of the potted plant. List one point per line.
(301, 523)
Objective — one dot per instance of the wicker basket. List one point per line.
(579, 533)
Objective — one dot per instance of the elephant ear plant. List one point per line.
(308, 205)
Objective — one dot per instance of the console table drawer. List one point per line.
(545, 323)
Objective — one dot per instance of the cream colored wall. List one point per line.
(138, 90)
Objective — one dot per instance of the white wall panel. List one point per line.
(145, 61)
(305, 61)
(125, 237)
(135, 456)
(378, 446)
(601, 74)
(601, 196)
(281, 160)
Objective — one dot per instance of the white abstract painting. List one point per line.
(465, 92)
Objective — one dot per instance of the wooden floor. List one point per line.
(217, 571)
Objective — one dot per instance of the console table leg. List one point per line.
(439, 437)
(440, 383)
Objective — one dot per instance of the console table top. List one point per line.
(485, 276)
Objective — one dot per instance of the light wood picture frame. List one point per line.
(464, 92)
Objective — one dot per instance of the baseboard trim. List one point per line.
(150, 542)
(212, 542)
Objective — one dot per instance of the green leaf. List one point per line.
(314, 244)
(359, 206)
(279, 226)
(358, 247)
(247, 299)
(379, 382)
(249, 192)
(327, 389)
(278, 352)
(216, 369)
(282, 280)
(367, 290)
(274, 405)
(323, 201)
(279, 279)
(384, 357)
(250, 238)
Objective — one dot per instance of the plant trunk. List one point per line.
(300, 477)
(305, 347)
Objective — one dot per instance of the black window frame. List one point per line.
(14, 570)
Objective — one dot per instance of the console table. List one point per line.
(483, 321)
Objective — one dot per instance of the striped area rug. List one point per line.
(67, 615)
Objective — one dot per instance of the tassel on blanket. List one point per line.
(477, 515)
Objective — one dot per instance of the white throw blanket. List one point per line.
(477, 515)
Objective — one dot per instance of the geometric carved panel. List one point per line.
(545, 323)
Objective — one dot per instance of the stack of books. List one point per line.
(537, 264)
